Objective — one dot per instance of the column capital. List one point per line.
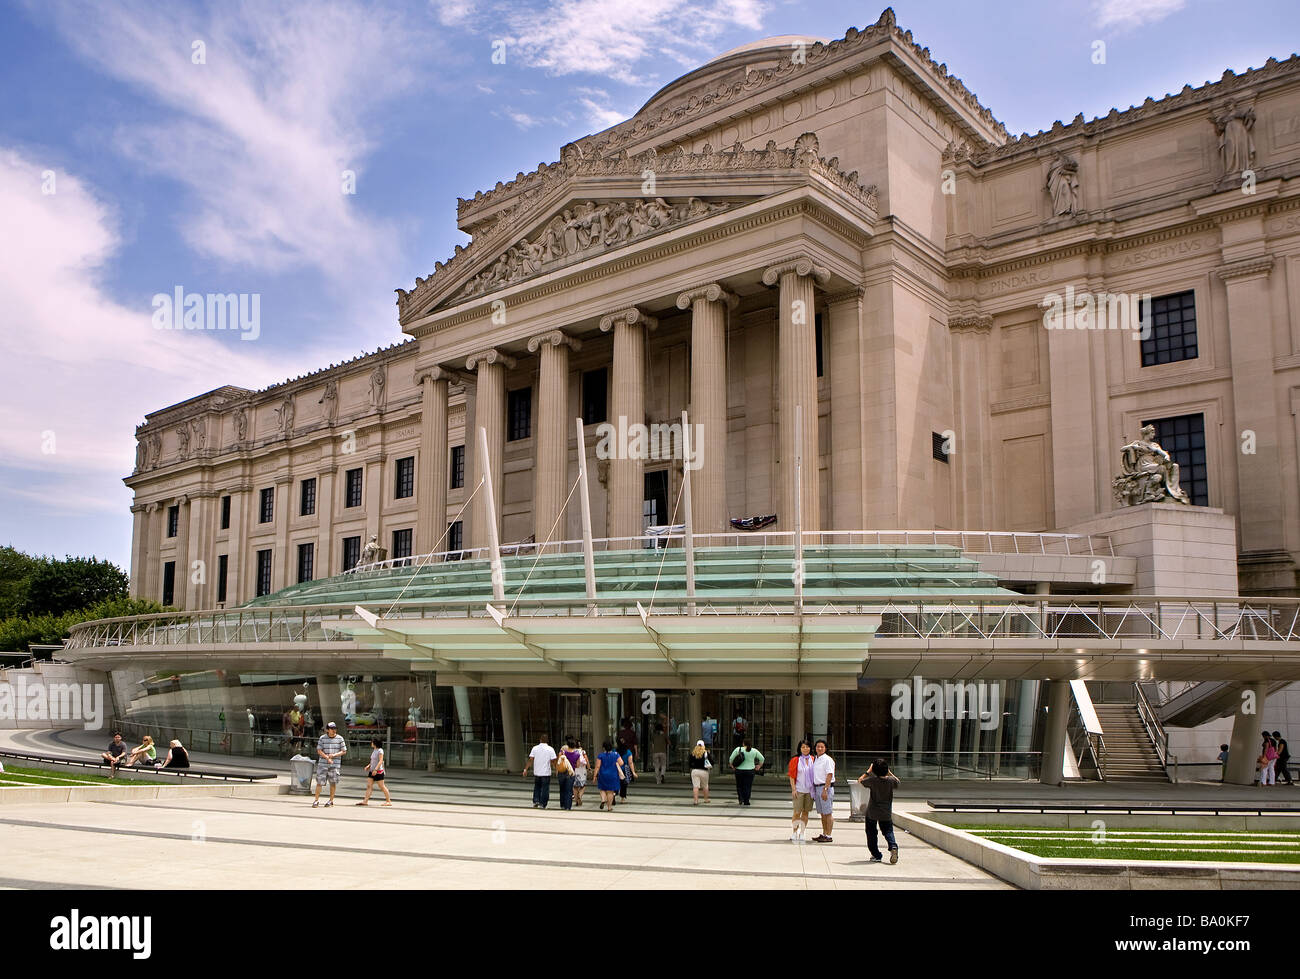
(489, 356)
(436, 372)
(853, 294)
(799, 265)
(970, 323)
(631, 316)
(556, 338)
(1246, 268)
(712, 292)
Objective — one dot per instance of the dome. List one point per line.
(728, 68)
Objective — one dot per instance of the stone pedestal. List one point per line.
(1180, 550)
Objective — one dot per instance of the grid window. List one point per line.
(520, 415)
(169, 583)
(266, 512)
(308, 497)
(352, 496)
(225, 513)
(457, 466)
(595, 396)
(264, 572)
(1173, 329)
(455, 539)
(351, 552)
(937, 447)
(406, 478)
(1183, 437)
(306, 561)
(223, 572)
(173, 520)
(402, 541)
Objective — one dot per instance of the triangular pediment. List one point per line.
(588, 207)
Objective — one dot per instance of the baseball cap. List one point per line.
(331, 724)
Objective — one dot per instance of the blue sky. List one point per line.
(224, 176)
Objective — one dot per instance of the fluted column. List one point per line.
(708, 305)
(181, 583)
(970, 345)
(431, 521)
(627, 475)
(550, 468)
(139, 548)
(490, 415)
(797, 360)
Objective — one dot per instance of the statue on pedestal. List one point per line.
(1150, 475)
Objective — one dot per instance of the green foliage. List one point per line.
(19, 633)
(55, 587)
(16, 569)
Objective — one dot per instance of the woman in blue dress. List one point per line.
(608, 767)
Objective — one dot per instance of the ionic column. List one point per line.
(139, 548)
(490, 415)
(708, 305)
(797, 358)
(550, 468)
(431, 522)
(181, 583)
(626, 475)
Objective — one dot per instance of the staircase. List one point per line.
(1130, 755)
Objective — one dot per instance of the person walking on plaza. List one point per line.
(608, 766)
(700, 764)
(627, 772)
(801, 787)
(746, 760)
(1268, 750)
(659, 752)
(542, 757)
(375, 774)
(1223, 760)
(330, 747)
(626, 740)
(564, 772)
(880, 782)
(580, 771)
(823, 790)
(1283, 768)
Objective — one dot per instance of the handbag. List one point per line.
(707, 764)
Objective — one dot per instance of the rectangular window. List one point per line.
(595, 396)
(457, 466)
(225, 513)
(455, 539)
(306, 561)
(520, 414)
(1173, 329)
(264, 572)
(1183, 437)
(169, 583)
(223, 572)
(352, 494)
(938, 447)
(266, 512)
(173, 520)
(308, 497)
(351, 552)
(402, 542)
(817, 328)
(405, 478)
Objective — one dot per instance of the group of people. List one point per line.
(1273, 762)
(330, 749)
(145, 753)
(614, 771)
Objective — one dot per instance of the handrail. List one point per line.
(1151, 723)
(992, 541)
(1083, 721)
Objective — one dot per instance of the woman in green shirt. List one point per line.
(146, 752)
(746, 760)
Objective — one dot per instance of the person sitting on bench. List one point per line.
(115, 754)
(177, 756)
(145, 754)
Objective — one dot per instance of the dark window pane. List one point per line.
(402, 540)
(519, 414)
(173, 520)
(225, 513)
(223, 572)
(457, 466)
(353, 490)
(937, 447)
(405, 477)
(263, 572)
(169, 583)
(1173, 329)
(306, 561)
(308, 497)
(351, 552)
(267, 512)
(455, 539)
(817, 328)
(595, 396)
(1183, 437)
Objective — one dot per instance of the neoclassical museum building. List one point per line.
(890, 323)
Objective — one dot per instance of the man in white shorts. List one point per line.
(823, 790)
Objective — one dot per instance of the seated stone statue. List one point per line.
(372, 552)
(1150, 475)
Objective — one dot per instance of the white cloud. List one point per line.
(80, 364)
(522, 119)
(1128, 14)
(453, 13)
(601, 116)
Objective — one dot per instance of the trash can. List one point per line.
(301, 768)
(859, 796)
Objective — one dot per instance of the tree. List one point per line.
(55, 587)
(15, 570)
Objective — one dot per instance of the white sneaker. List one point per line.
(794, 837)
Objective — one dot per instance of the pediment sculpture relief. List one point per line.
(1150, 474)
(585, 227)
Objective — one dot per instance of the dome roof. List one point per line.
(729, 67)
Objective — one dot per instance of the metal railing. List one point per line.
(1151, 723)
(973, 541)
(1126, 619)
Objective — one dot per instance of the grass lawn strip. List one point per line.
(70, 777)
(1146, 844)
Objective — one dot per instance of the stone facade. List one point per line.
(840, 229)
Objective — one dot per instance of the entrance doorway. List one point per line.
(763, 717)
